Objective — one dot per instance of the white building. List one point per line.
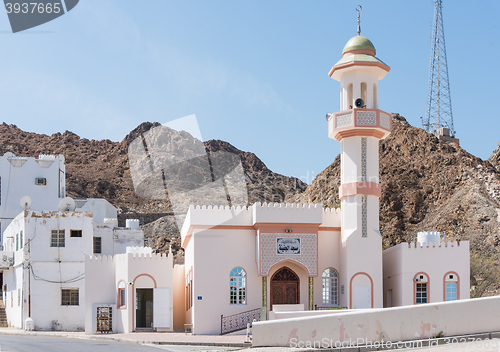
(46, 280)
(135, 287)
(43, 179)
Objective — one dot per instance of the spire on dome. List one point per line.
(359, 8)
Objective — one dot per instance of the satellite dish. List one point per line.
(358, 103)
(67, 204)
(25, 202)
(328, 115)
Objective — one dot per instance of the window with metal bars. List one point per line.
(69, 297)
(421, 293)
(75, 233)
(97, 245)
(57, 238)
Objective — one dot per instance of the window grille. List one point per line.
(97, 245)
(104, 319)
(40, 181)
(421, 293)
(57, 238)
(75, 233)
(69, 297)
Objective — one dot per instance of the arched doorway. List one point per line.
(285, 286)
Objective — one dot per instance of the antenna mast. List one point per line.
(439, 113)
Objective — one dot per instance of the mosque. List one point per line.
(241, 263)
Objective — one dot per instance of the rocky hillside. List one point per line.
(427, 184)
(495, 157)
(100, 169)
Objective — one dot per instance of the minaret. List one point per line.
(358, 126)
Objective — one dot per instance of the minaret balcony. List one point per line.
(359, 122)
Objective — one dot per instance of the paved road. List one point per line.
(16, 343)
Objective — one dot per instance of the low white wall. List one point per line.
(389, 324)
(301, 314)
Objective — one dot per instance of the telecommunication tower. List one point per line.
(439, 116)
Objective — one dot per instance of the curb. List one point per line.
(125, 340)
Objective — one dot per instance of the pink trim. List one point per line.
(360, 188)
(255, 227)
(358, 63)
(415, 288)
(133, 296)
(350, 287)
(355, 129)
(118, 297)
(186, 240)
(326, 228)
(293, 261)
(360, 133)
(445, 282)
(359, 52)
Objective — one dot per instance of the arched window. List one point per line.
(421, 288)
(375, 96)
(451, 286)
(238, 286)
(330, 286)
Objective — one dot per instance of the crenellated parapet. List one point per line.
(304, 213)
(331, 218)
(431, 246)
(98, 258)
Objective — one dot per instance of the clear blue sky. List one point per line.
(253, 72)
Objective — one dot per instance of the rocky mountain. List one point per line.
(495, 157)
(427, 184)
(101, 169)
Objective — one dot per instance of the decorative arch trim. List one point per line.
(133, 295)
(293, 261)
(457, 282)
(350, 288)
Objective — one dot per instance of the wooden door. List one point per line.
(285, 287)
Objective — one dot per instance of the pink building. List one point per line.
(241, 263)
(245, 262)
